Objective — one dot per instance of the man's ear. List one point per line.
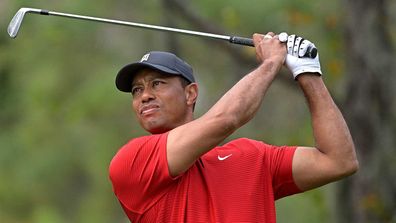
(191, 92)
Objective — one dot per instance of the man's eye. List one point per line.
(156, 83)
(135, 91)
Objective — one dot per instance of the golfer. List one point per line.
(182, 173)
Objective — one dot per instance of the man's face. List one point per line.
(159, 101)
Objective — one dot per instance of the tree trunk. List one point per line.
(370, 195)
(171, 38)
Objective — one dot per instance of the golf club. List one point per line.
(16, 22)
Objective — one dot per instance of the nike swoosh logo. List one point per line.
(224, 157)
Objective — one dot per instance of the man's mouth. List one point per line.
(148, 109)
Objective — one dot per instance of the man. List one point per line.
(181, 174)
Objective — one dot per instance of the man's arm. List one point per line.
(334, 156)
(188, 142)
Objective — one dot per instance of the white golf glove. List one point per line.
(295, 60)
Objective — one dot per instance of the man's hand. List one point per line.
(295, 62)
(268, 47)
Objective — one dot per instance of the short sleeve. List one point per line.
(279, 160)
(139, 172)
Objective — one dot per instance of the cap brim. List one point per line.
(126, 74)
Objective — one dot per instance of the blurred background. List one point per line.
(62, 119)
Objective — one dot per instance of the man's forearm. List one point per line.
(242, 101)
(330, 130)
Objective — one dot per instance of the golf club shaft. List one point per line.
(231, 39)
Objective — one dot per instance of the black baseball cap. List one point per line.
(157, 60)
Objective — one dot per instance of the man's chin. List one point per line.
(157, 130)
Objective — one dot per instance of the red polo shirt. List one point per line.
(236, 182)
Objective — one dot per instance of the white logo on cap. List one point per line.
(145, 57)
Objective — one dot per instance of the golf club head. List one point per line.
(16, 21)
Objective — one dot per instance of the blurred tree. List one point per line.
(370, 195)
(241, 58)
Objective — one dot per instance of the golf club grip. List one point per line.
(311, 51)
(241, 41)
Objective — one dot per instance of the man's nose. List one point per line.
(147, 95)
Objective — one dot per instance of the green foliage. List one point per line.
(312, 206)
